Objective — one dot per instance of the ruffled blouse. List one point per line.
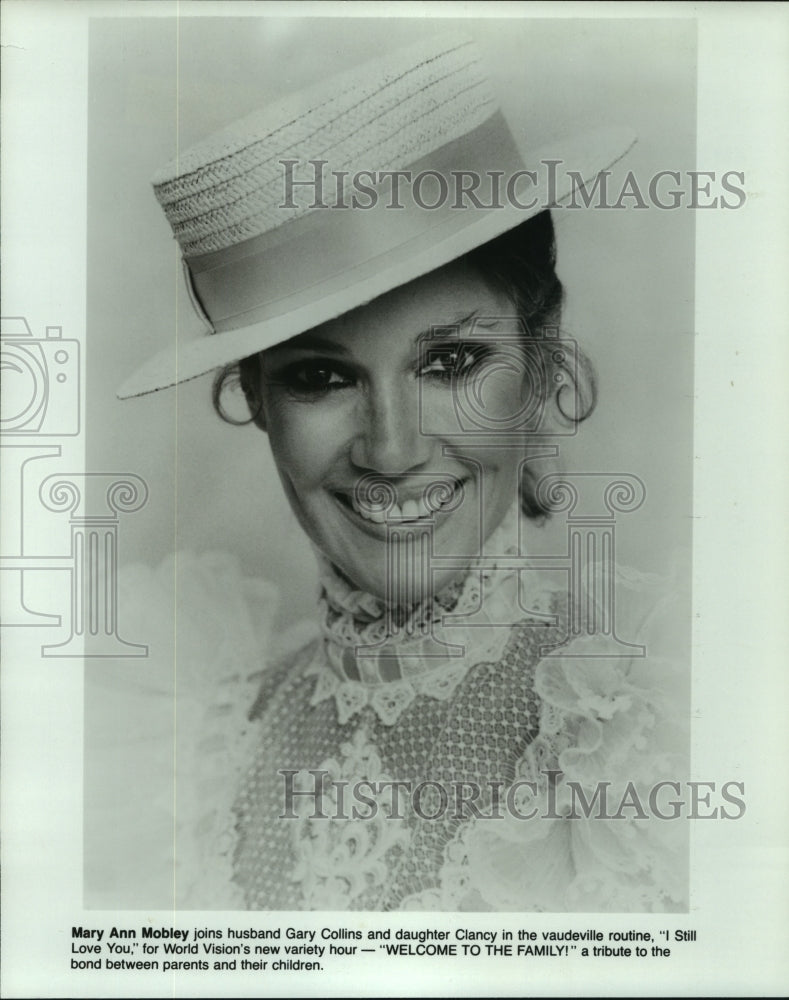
(441, 757)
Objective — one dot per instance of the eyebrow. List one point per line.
(462, 321)
(314, 342)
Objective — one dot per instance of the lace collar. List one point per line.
(373, 656)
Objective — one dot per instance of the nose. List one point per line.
(388, 438)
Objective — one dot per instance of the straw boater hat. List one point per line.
(285, 219)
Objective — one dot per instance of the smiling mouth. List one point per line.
(408, 510)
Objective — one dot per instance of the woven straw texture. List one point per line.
(384, 115)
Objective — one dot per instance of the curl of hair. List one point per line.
(522, 264)
(244, 374)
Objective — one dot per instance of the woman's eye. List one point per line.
(313, 377)
(455, 361)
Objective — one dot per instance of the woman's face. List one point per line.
(372, 397)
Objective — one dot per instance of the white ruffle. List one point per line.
(167, 736)
(167, 740)
(621, 721)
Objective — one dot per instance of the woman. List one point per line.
(394, 328)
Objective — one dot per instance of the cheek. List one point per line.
(495, 400)
(307, 441)
(506, 392)
(501, 469)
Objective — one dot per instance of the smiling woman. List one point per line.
(442, 742)
(371, 398)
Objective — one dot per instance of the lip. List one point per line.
(379, 530)
(403, 492)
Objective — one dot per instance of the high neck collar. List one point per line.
(385, 656)
(344, 599)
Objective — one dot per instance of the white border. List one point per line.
(740, 638)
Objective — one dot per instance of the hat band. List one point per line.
(330, 248)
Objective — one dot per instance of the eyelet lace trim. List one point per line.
(340, 858)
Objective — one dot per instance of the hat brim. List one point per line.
(581, 160)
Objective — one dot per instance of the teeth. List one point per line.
(411, 510)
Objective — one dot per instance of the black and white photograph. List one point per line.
(407, 378)
(378, 590)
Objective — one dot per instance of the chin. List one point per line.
(393, 558)
(400, 569)
(406, 588)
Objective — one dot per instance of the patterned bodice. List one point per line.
(452, 750)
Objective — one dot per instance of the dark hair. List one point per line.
(522, 264)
